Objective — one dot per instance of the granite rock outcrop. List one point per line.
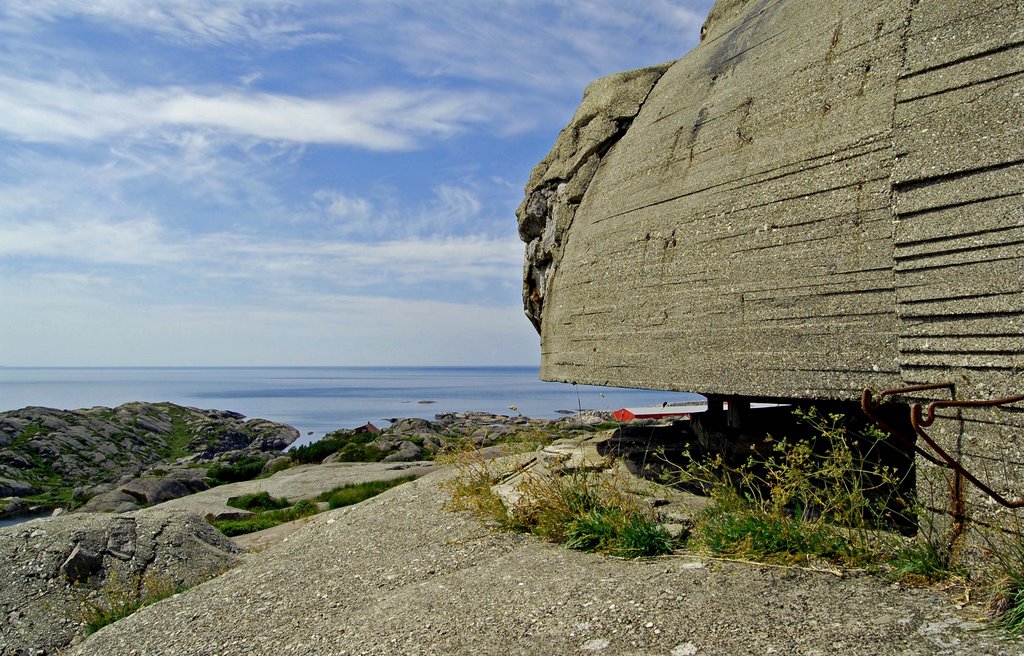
(55, 570)
(60, 457)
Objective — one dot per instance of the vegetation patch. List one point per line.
(351, 447)
(820, 497)
(117, 600)
(581, 509)
(244, 469)
(265, 519)
(258, 502)
(181, 434)
(353, 493)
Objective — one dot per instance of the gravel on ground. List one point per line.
(399, 574)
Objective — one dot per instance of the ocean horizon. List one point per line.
(318, 400)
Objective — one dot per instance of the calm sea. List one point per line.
(318, 400)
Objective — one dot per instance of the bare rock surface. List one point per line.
(297, 483)
(54, 568)
(398, 574)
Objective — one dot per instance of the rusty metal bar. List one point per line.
(869, 405)
(920, 418)
(934, 405)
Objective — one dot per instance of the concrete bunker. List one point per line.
(820, 199)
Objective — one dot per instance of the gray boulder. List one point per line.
(406, 452)
(55, 568)
(153, 490)
(14, 488)
(112, 501)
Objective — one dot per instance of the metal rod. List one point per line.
(869, 405)
(916, 420)
(920, 418)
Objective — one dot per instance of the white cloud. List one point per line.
(344, 208)
(451, 208)
(382, 119)
(412, 262)
(141, 241)
(212, 21)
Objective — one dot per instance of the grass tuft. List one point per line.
(583, 510)
(353, 493)
(117, 600)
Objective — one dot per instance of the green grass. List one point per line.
(1011, 611)
(750, 534)
(922, 559)
(245, 469)
(266, 519)
(353, 493)
(117, 602)
(258, 502)
(181, 435)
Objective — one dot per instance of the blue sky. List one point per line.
(287, 182)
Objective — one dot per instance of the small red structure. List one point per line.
(677, 411)
(659, 412)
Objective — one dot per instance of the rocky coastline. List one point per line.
(125, 457)
(401, 573)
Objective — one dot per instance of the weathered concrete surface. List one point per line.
(822, 197)
(559, 182)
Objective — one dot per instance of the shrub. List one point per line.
(257, 502)
(823, 496)
(315, 452)
(280, 465)
(245, 469)
(353, 493)
(353, 452)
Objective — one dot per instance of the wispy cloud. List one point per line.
(452, 208)
(141, 241)
(350, 265)
(382, 119)
(305, 178)
(212, 21)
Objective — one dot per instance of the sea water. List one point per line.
(318, 400)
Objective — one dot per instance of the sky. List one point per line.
(287, 182)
